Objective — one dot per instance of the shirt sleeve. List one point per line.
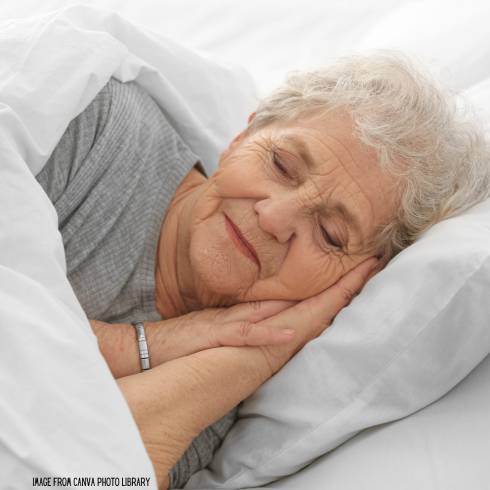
(201, 451)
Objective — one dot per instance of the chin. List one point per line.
(221, 276)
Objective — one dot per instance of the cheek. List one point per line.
(308, 271)
(302, 276)
(239, 176)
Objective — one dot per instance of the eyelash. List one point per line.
(328, 238)
(279, 165)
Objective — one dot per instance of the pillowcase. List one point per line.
(61, 410)
(444, 446)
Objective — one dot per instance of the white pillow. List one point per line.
(444, 446)
(61, 411)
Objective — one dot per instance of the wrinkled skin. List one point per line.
(301, 249)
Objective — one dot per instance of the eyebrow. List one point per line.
(339, 208)
(302, 149)
(352, 219)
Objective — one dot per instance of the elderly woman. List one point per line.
(231, 274)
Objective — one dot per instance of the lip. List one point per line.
(242, 244)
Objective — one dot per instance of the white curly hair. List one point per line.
(423, 134)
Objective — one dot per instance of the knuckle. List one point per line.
(212, 337)
(256, 305)
(347, 293)
(244, 328)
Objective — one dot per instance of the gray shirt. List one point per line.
(111, 179)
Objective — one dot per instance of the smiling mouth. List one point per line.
(240, 241)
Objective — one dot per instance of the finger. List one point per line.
(319, 310)
(329, 302)
(246, 333)
(255, 311)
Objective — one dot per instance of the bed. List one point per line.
(440, 440)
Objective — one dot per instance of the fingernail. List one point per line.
(288, 331)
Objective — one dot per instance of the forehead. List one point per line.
(348, 169)
(330, 139)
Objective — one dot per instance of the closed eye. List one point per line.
(278, 164)
(328, 238)
(282, 169)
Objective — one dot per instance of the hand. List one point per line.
(285, 324)
(263, 324)
(312, 316)
(196, 331)
(234, 326)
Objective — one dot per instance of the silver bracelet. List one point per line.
(142, 345)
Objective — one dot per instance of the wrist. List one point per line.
(174, 338)
(275, 356)
(118, 346)
(159, 337)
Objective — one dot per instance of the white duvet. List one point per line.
(61, 413)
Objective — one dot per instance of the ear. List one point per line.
(251, 117)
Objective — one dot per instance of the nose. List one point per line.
(277, 216)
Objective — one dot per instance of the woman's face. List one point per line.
(307, 197)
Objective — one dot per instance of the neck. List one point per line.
(174, 289)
